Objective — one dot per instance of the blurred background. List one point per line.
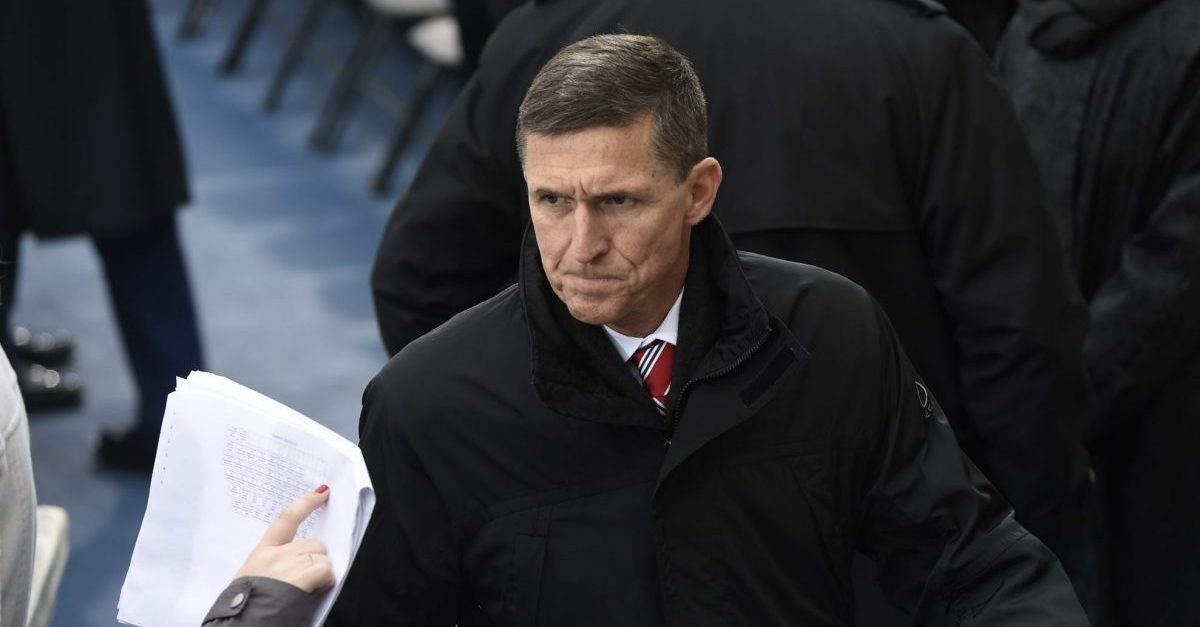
(278, 238)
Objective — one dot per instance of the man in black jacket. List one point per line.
(651, 429)
(868, 137)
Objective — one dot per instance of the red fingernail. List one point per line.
(322, 489)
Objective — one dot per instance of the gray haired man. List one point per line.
(652, 428)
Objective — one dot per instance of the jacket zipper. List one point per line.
(675, 415)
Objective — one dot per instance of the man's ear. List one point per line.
(703, 182)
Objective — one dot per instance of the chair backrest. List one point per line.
(439, 40)
(49, 561)
(410, 8)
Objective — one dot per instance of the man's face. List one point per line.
(613, 222)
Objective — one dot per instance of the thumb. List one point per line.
(283, 529)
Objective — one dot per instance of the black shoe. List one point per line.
(126, 450)
(46, 389)
(44, 347)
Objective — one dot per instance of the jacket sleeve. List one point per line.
(262, 602)
(406, 570)
(1145, 320)
(1017, 316)
(453, 240)
(948, 548)
(18, 502)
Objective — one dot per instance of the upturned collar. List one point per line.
(576, 371)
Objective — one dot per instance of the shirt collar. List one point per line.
(668, 331)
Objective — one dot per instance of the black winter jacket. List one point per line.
(798, 434)
(866, 137)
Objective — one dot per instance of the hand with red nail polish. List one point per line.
(301, 563)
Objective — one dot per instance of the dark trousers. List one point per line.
(148, 288)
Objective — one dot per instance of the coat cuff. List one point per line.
(250, 600)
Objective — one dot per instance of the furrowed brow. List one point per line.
(543, 191)
(608, 192)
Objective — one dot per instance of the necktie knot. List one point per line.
(654, 362)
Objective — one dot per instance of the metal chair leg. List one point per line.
(344, 94)
(424, 87)
(232, 59)
(195, 17)
(295, 50)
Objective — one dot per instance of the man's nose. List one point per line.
(589, 241)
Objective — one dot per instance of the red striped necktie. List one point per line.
(653, 362)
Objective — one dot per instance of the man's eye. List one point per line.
(551, 199)
(617, 200)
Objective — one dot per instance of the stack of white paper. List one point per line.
(229, 460)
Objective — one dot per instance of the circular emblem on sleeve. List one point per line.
(923, 397)
(927, 403)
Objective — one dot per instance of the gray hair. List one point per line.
(613, 80)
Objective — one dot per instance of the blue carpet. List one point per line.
(279, 241)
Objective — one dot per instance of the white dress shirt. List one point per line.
(668, 331)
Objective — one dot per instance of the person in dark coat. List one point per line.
(88, 145)
(1109, 93)
(868, 137)
(766, 425)
(476, 21)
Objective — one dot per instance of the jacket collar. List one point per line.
(576, 370)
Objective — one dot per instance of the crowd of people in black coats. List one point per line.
(1021, 196)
